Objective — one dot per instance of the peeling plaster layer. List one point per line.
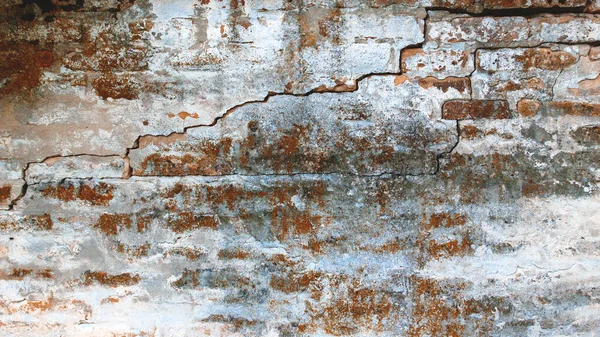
(299, 168)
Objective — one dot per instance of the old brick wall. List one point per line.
(299, 167)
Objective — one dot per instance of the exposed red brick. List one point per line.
(461, 84)
(21, 273)
(293, 282)
(475, 109)
(440, 310)
(18, 68)
(113, 224)
(438, 220)
(43, 222)
(43, 58)
(111, 280)
(5, 194)
(546, 59)
(99, 194)
(352, 309)
(528, 108)
(116, 86)
(187, 221)
(510, 4)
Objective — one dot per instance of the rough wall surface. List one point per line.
(299, 167)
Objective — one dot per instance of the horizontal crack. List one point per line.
(524, 12)
(263, 175)
(339, 90)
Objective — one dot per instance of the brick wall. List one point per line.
(299, 168)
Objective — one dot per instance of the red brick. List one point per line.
(475, 109)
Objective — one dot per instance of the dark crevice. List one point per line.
(353, 88)
(543, 44)
(23, 188)
(320, 174)
(49, 6)
(414, 45)
(526, 12)
(532, 11)
(441, 156)
(26, 168)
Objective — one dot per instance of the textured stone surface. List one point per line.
(11, 182)
(299, 168)
(82, 167)
(440, 63)
(444, 28)
(540, 73)
(475, 109)
(386, 126)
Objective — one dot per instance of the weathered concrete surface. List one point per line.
(153, 68)
(299, 168)
(386, 126)
(11, 182)
(444, 28)
(82, 167)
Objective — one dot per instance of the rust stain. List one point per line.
(183, 115)
(5, 193)
(230, 254)
(116, 86)
(576, 109)
(187, 221)
(208, 159)
(98, 195)
(351, 309)
(238, 323)
(392, 247)
(190, 253)
(469, 132)
(442, 220)
(143, 223)
(134, 251)
(546, 59)
(113, 224)
(441, 310)
(528, 108)
(110, 300)
(111, 280)
(145, 141)
(461, 84)
(21, 273)
(20, 70)
(293, 282)
(43, 222)
(189, 278)
(43, 305)
(43, 58)
(475, 109)
(398, 80)
(457, 247)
